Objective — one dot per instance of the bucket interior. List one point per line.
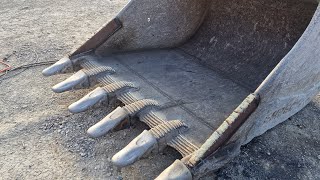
(244, 40)
(206, 78)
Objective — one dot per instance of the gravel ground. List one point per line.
(40, 139)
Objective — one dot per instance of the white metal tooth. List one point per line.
(139, 146)
(59, 67)
(176, 171)
(108, 123)
(95, 96)
(79, 78)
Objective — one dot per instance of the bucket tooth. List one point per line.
(108, 123)
(139, 146)
(78, 79)
(83, 78)
(61, 66)
(95, 96)
(146, 142)
(117, 116)
(176, 171)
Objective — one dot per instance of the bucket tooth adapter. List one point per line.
(206, 76)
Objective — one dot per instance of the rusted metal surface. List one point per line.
(100, 37)
(226, 129)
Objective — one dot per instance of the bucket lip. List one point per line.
(227, 129)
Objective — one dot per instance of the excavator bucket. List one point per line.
(206, 76)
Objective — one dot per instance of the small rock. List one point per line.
(24, 106)
(25, 8)
(319, 157)
(268, 153)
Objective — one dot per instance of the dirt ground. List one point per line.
(40, 139)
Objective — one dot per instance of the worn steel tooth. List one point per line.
(116, 116)
(61, 66)
(99, 94)
(83, 78)
(95, 96)
(146, 142)
(139, 146)
(176, 171)
(108, 123)
(78, 79)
